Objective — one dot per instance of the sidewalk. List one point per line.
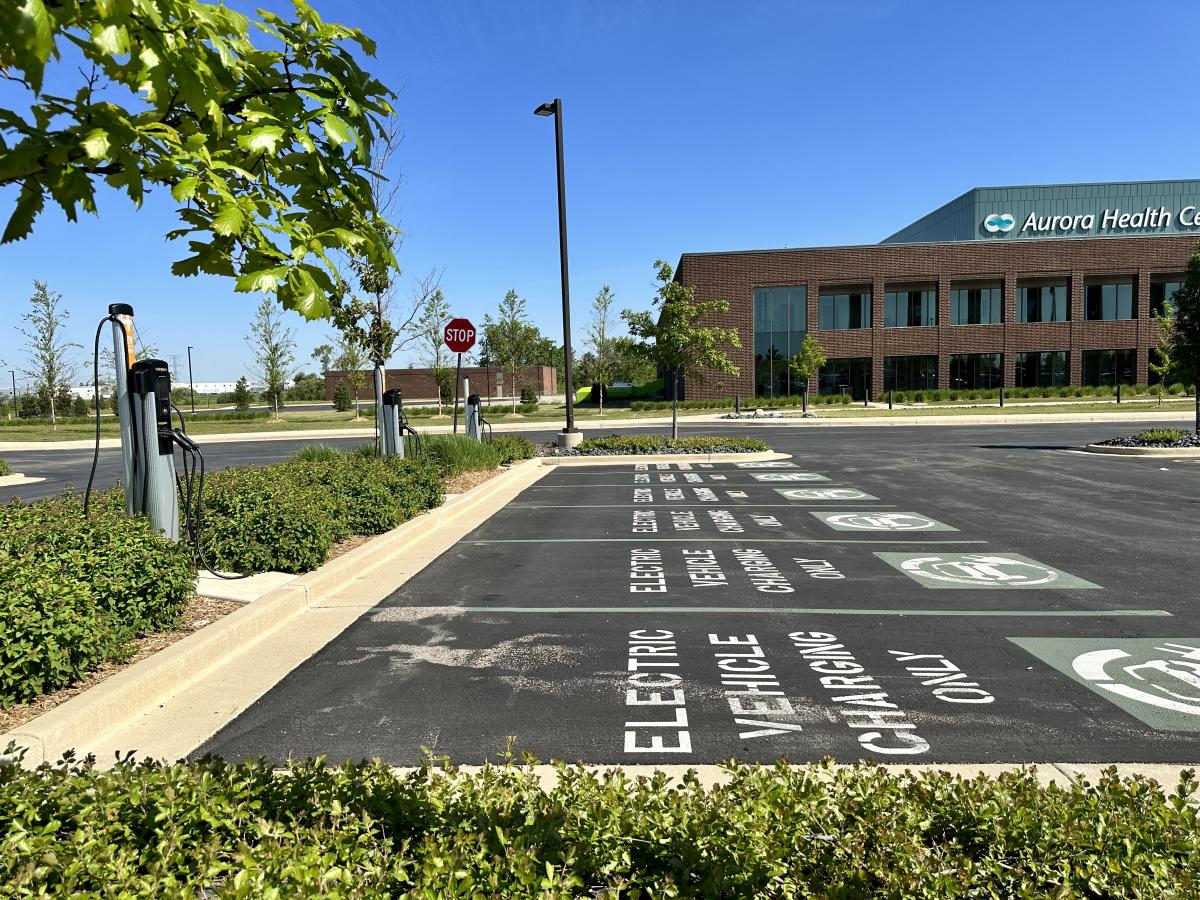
(601, 426)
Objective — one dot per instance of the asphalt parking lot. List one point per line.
(925, 595)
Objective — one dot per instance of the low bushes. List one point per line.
(286, 517)
(512, 447)
(1160, 436)
(74, 591)
(5, 468)
(758, 402)
(646, 443)
(454, 454)
(211, 828)
(939, 395)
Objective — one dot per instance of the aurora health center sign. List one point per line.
(1108, 221)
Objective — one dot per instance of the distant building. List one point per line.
(1036, 286)
(420, 385)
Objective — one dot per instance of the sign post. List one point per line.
(460, 337)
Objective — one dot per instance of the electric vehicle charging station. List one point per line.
(143, 389)
(477, 427)
(391, 436)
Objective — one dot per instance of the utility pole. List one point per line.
(191, 383)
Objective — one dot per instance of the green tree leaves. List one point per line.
(264, 143)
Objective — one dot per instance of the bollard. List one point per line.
(1002, 395)
(1118, 392)
(890, 399)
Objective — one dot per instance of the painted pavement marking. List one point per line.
(831, 493)
(879, 521)
(813, 610)
(1156, 680)
(974, 571)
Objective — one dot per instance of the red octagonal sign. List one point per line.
(460, 335)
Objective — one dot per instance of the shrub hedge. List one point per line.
(1160, 436)
(286, 517)
(5, 468)
(512, 447)
(75, 590)
(212, 828)
(757, 402)
(654, 443)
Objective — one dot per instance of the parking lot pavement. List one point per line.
(892, 604)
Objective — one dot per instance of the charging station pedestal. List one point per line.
(154, 459)
(473, 418)
(391, 438)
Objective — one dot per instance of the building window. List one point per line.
(1109, 299)
(780, 323)
(909, 307)
(976, 370)
(1162, 294)
(1043, 302)
(1045, 369)
(850, 376)
(909, 373)
(977, 304)
(1111, 367)
(839, 311)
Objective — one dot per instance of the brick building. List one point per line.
(1022, 287)
(420, 384)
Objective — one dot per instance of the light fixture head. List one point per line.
(546, 109)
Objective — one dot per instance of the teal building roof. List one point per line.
(1029, 212)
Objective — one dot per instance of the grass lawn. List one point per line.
(841, 412)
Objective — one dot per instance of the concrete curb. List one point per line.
(16, 478)
(1187, 452)
(119, 712)
(625, 459)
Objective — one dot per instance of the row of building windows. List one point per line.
(970, 371)
(784, 310)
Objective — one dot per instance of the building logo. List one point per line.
(1155, 679)
(999, 222)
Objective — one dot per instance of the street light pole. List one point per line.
(554, 108)
(191, 384)
(13, 373)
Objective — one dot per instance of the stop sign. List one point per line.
(460, 335)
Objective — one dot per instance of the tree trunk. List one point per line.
(514, 389)
(602, 398)
(674, 405)
(53, 416)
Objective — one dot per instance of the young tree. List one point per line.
(341, 398)
(274, 350)
(1184, 341)
(431, 321)
(352, 360)
(628, 363)
(600, 340)
(511, 339)
(263, 137)
(323, 353)
(672, 336)
(807, 361)
(51, 368)
(242, 395)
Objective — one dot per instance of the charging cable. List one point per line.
(87, 494)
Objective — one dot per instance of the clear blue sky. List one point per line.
(690, 126)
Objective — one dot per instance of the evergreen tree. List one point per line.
(1184, 340)
(242, 395)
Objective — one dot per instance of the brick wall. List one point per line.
(420, 384)
(734, 276)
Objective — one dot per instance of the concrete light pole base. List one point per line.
(569, 439)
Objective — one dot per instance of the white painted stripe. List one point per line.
(704, 539)
(802, 610)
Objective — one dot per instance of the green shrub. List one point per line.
(529, 395)
(5, 468)
(234, 416)
(75, 590)
(134, 574)
(647, 443)
(1176, 389)
(454, 454)
(512, 447)
(53, 631)
(342, 402)
(259, 519)
(1160, 436)
(324, 453)
(364, 830)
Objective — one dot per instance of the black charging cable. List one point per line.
(191, 494)
(87, 494)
